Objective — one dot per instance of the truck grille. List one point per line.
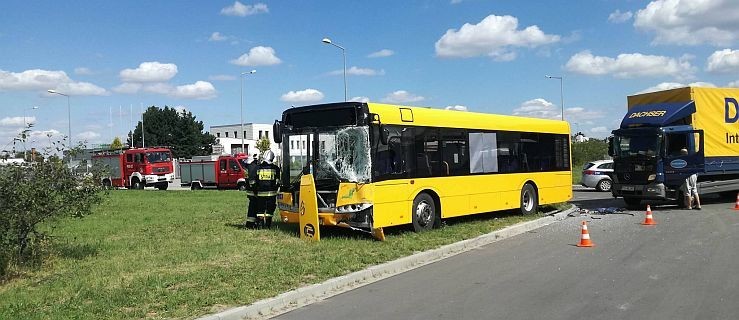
(633, 171)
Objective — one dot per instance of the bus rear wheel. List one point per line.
(424, 213)
(529, 199)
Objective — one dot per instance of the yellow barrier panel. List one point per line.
(308, 217)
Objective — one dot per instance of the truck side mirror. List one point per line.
(277, 131)
(611, 151)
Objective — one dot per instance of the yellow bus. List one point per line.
(379, 165)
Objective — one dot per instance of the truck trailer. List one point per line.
(669, 135)
(136, 168)
(222, 172)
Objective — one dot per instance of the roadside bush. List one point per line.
(35, 193)
(590, 150)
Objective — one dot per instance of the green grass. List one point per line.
(577, 173)
(151, 254)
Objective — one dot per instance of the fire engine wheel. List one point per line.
(529, 199)
(107, 184)
(195, 186)
(242, 187)
(162, 186)
(136, 184)
(424, 213)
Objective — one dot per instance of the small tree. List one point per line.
(263, 145)
(37, 193)
(116, 144)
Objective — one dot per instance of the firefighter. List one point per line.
(268, 183)
(251, 184)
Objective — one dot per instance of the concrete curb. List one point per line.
(300, 297)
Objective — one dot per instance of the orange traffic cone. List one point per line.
(585, 237)
(649, 221)
(736, 206)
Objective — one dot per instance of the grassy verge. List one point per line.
(150, 254)
(577, 174)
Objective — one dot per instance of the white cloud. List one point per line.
(307, 95)
(357, 71)
(456, 107)
(381, 54)
(733, 84)
(599, 130)
(217, 36)
(258, 56)
(724, 61)
(619, 17)
(42, 80)
(181, 109)
(149, 72)
(128, 88)
(241, 10)
(198, 90)
(88, 135)
(693, 22)
(222, 77)
(538, 108)
(360, 99)
(495, 36)
(674, 85)
(158, 88)
(83, 71)
(16, 121)
(629, 65)
(402, 96)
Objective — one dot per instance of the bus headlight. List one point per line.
(652, 177)
(351, 208)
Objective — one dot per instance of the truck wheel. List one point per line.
(603, 185)
(424, 213)
(529, 199)
(136, 184)
(107, 184)
(632, 203)
(195, 186)
(162, 186)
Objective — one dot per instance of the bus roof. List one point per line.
(419, 116)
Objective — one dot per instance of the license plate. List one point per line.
(627, 188)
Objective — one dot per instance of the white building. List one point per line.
(229, 137)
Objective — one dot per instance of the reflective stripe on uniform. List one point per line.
(250, 193)
(251, 219)
(262, 215)
(267, 194)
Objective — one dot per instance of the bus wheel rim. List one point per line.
(527, 201)
(423, 212)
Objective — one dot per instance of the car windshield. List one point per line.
(645, 145)
(161, 156)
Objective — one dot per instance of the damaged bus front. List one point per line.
(331, 142)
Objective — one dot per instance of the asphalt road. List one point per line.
(683, 268)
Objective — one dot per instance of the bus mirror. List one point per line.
(384, 135)
(611, 152)
(277, 131)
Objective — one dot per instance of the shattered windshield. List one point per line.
(646, 145)
(344, 155)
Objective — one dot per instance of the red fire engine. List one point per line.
(136, 168)
(222, 172)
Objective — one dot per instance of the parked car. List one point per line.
(596, 175)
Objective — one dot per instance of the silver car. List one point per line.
(596, 175)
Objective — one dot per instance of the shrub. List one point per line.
(35, 193)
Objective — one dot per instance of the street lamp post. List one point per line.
(25, 127)
(242, 106)
(69, 115)
(343, 53)
(561, 93)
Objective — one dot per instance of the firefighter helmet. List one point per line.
(268, 156)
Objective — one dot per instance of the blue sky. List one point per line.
(484, 56)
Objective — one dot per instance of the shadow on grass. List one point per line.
(75, 251)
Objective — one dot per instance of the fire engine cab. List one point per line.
(136, 168)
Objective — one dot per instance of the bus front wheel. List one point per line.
(424, 213)
(529, 199)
